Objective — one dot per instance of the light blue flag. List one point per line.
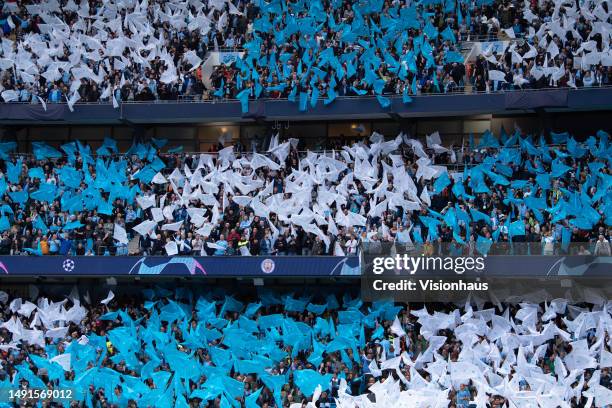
(5, 148)
(558, 169)
(332, 327)
(292, 94)
(243, 97)
(581, 223)
(379, 333)
(346, 360)
(383, 101)
(483, 245)
(543, 180)
(314, 97)
(221, 90)
(441, 183)
(4, 223)
(3, 186)
(405, 96)
(331, 96)
(516, 228)
(177, 149)
(414, 85)
(559, 138)
(13, 171)
(430, 31)
(270, 321)
(349, 316)
(316, 309)
(566, 236)
(251, 400)
(104, 207)
(275, 383)
(488, 140)
(231, 305)
(448, 34)
(294, 305)
(307, 380)
(110, 144)
(574, 148)
(159, 143)
(249, 367)
(70, 176)
(332, 302)
(43, 151)
(145, 174)
(37, 251)
(46, 192)
(303, 101)
(19, 197)
(36, 172)
(251, 309)
(453, 56)
(478, 216)
(431, 224)
(72, 225)
(417, 237)
(39, 224)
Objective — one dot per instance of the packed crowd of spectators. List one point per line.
(560, 44)
(90, 51)
(175, 347)
(505, 196)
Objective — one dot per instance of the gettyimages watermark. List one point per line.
(412, 273)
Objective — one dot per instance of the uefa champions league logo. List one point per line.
(68, 265)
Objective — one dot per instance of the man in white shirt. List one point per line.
(602, 247)
(351, 245)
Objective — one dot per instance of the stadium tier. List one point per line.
(176, 348)
(307, 52)
(527, 195)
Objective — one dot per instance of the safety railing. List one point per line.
(198, 99)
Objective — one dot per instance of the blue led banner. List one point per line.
(179, 266)
(283, 266)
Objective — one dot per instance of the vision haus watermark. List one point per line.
(406, 274)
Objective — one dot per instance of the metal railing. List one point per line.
(382, 248)
(181, 99)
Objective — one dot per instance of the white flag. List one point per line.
(42, 102)
(396, 328)
(171, 248)
(73, 99)
(120, 234)
(497, 76)
(145, 227)
(145, 201)
(63, 360)
(110, 297)
(425, 196)
(172, 227)
(159, 179)
(57, 333)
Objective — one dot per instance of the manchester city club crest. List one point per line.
(267, 265)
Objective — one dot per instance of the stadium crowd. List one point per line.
(177, 348)
(62, 51)
(514, 194)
